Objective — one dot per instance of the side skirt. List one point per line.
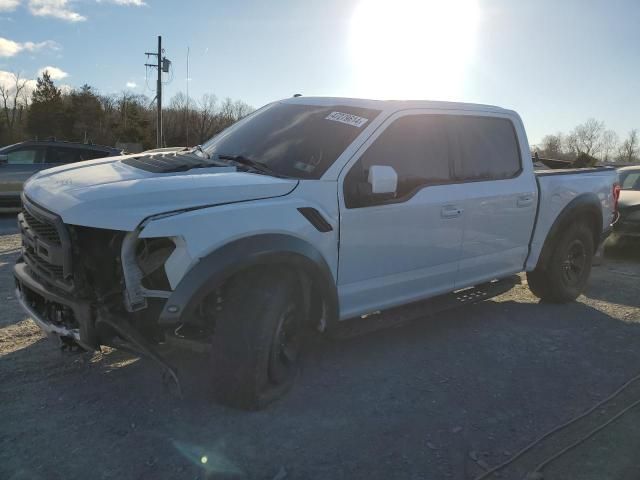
(396, 317)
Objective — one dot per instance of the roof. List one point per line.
(394, 105)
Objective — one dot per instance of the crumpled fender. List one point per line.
(264, 249)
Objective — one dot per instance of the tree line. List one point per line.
(592, 141)
(45, 110)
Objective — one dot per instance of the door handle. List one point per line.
(451, 211)
(525, 201)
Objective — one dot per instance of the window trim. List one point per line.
(352, 162)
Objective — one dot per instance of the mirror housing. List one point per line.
(4, 159)
(383, 179)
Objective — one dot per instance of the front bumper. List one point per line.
(56, 314)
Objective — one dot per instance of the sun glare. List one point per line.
(412, 48)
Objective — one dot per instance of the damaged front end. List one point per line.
(90, 286)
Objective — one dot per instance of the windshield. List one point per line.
(630, 180)
(299, 141)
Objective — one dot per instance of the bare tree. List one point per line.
(609, 144)
(14, 99)
(206, 117)
(552, 146)
(586, 138)
(628, 151)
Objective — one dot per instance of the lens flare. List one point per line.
(412, 48)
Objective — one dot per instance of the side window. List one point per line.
(631, 181)
(416, 146)
(25, 156)
(486, 148)
(87, 154)
(63, 155)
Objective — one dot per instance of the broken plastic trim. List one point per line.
(135, 295)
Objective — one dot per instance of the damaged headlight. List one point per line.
(151, 255)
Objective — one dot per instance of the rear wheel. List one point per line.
(258, 339)
(565, 274)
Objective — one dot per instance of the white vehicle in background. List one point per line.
(309, 212)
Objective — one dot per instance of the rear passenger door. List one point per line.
(501, 197)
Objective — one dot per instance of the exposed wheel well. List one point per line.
(313, 293)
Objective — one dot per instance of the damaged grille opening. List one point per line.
(151, 255)
(96, 255)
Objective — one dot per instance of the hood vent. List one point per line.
(168, 162)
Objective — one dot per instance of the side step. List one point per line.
(398, 316)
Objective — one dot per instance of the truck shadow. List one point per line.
(394, 403)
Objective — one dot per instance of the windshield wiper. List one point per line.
(201, 150)
(242, 160)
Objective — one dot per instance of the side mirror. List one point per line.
(4, 159)
(383, 179)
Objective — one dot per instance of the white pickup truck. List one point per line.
(308, 212)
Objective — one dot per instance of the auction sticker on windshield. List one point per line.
(347, 118)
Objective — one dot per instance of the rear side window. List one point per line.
(25, 156)
(416, 146)
(64, 155)
(485, 148)
(92, 154)
(631, 181)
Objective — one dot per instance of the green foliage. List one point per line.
(46, 110)
(84, 115)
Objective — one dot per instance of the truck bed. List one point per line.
(556, 188)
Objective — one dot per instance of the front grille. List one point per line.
(45, 245)
(50, 271)
(42, 228)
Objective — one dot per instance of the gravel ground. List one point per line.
(441, 397)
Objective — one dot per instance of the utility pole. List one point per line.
(162, 66)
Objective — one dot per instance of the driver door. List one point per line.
(400, 248)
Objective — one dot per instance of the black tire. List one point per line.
(258, 339)
(564, 276)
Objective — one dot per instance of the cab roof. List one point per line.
(394, 105)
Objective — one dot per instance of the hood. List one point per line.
(629, 199)
(108, 193)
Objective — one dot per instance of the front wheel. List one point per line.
(258, 338)
(565, 275)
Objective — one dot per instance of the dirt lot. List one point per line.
(442, 397)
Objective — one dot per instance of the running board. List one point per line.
(399, 316)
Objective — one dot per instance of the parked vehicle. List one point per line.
(628, 225)
(21, 160)
(307, 213)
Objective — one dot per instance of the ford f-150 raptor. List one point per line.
(308, 212)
